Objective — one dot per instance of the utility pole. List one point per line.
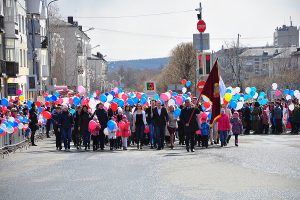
(201, 45)
(238, 67)
(34, 69)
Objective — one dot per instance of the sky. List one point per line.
(137, 29)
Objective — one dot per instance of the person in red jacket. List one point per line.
(223, 126)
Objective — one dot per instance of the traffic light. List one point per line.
(200, 63)
(207, 63)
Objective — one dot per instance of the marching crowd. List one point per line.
(157, 125)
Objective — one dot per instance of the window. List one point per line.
(10, 49)
(25, 58)
(20, 23)
(21, 60)
(23, 25)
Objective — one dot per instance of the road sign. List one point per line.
(201, 26)
(150, 86)
(200, 85)
(205, 41)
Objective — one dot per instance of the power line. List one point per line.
(134, 16)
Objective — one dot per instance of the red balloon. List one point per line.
(124, 97)
(4, 110)
(60, 101)
(15, 129)
(206, 105)
(92, 125)
(47, 103)
(183, 82)
(70, 100)
(16, 98)
(38, 104)
(114, 106)
(147, 130)
(139, 95)
(46, 114)
(45, 94)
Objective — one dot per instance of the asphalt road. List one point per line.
(262, 167)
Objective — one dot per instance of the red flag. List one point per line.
(212, 91)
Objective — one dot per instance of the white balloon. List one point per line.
(106, 105)
(291, 107)
(21, 126)
(10, 130)
(184, 90)
(255, 96)
(288, 97)
(239, 106)
(248, 90)
(105, 131)
(274, 86)
(297, 94)
(237, 90)
(11, 119)
(110, 98)
(171, 102)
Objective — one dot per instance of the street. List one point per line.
(262, 167)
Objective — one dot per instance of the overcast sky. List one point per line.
(124, 37)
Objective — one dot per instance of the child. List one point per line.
(265, 121)
(112, 134)
(204, 132)
(237, 126)
(95, 132)
(124, 128)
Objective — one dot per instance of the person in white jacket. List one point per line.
(139, 122)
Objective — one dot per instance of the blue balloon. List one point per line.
(253, 89)
(120, 90)
(1, 131)
(40, 109)
(20, 118)
(233, 104)
(25, 120)
(156, 97)
(228, 91)
(252, 93)
(135, 100)
(130, 101)
(103, 98)
(76, 101)
(56, 94)
(120, 102)
(209, 116)
(47, 98)
(264, 101)
(29, 104)
(291, 93)
(72, 111)
(54, 98)
(15, 124)
(174, 94)
(188, 83)
(286, 91)
(4, 102)
(262, 94)
(144, 96)
(177, 112)
(185, 96)
(162, 102)
(106, 93)
(113, 93)
(111, 125)
(143, 101)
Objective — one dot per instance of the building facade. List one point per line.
(97, 73)
(286, 36)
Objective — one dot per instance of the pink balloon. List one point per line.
(92, 125)
(81, 89)
(277, 93)
(179, 100)
(164, 97)
(19, 92)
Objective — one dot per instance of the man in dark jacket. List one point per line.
(190, 126)
(247, 119)
(85, 118)
(65, 125)
(55, 121)
(33, 122)
(103, 119)
(160, 117)
(150, 121)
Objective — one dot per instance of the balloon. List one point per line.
(188, 84)
(278, 93)
(110, 97)
(29, 104)
(179, 100)
(183, 82)
(105, 131)
(114, 106)
(177, 112)
(135, 100)
(116, 90)
(239, 106)
(72, 111)
(54, 98)
(20, 126)
(56, 94)
(4, 102)
(156, 97)
(291, 107)
(138, 95)
(164, 97)
(206, 105)
(19, 92)
(38, 104)
(248, 90)
(103, 98)
(111, 125)
(121, 102)
(147, 130)
(184, 90)
(22, 98)
(174, 94)
(92, 125)
(120, 90)
(10, 130)
(171, 102)
(233, 104)
(291, 93)
(143, 101)
(274, 86)
(76, 101)
(130, 102)
(252, 93)
(228, 97)
(288, 97)
(112, 93)
(264, 101)
(255, 95)
(262, 94)
(81, 89)
(60, 101)
(46, 115)
(124, 97)
(286, 91)
(297, 94)
(237, 90)
(40, 109)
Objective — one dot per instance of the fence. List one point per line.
(14, 141)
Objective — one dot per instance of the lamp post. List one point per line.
(49, 45)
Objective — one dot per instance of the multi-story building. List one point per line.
(71, 69)
(286, 36)
(97, 72)
(2, 51)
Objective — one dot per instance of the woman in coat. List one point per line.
(33, 122)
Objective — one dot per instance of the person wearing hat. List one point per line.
(55, 121)
(33, 122)
(188, 117)
(65, 124)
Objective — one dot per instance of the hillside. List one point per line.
(152, 63)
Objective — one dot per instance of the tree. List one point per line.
(182, 65)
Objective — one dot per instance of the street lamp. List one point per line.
(49, 44)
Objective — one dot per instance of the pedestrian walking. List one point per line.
(150, 121)
(55, 121)
(237, 127)
(102, 116)
(66, 123)
(205, 130)
(161, 118)
(172, 125)
(139, 120)
(33, 122)
(85, 118)
(94, 129)
(77, 136)
(223, 127)
(124, 128)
